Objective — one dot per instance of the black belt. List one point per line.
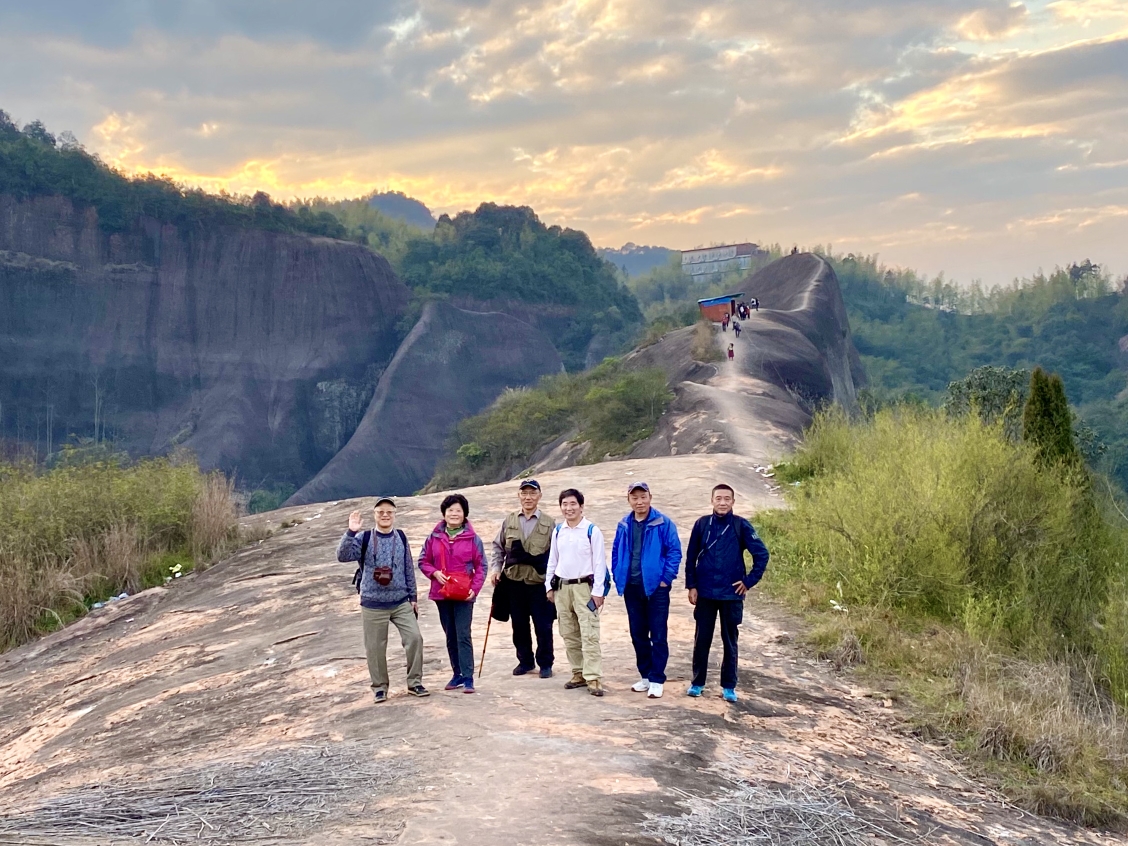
(586, 580)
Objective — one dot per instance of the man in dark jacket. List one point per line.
(386, 585)
(716, 579)
(520, 558)
(644, 563)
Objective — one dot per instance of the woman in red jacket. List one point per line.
(454, 559)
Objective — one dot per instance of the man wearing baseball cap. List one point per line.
(517, 570)
(644, 563)
(385, 580)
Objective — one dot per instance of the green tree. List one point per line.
(1047, 422)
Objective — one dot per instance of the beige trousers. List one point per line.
(579, 628)
(375, 622)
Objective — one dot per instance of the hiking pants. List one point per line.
(579, 627)
(648, 616)
(731, 612)
(375, 623)
(528, 602)
(456, 617)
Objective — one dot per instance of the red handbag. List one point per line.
(457, 585)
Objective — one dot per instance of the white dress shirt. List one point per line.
(573, 556)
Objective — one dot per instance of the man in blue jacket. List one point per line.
(644, 563)
(717, 582)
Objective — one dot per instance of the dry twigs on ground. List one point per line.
(271, 800)
(800, 813)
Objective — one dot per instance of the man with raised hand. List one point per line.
(717, 582)
(518, 565)
(385, 580)
(644, 563)
(578, 583)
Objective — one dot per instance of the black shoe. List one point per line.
(546, 672)
(418, 690)
(380, 696)
(522, 670)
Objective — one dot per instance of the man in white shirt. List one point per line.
(577, 581)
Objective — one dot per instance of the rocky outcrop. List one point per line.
(213, 339)
(453, 364)
(800, 338)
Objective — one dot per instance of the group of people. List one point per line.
(543, 571)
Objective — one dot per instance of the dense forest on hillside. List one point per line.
(498, 253)
(33, 163)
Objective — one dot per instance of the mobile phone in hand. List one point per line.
(592, 607)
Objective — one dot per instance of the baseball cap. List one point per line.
(529, 483)
(386, 499)
(636, 486)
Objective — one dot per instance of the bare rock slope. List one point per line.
(453, 364)
(259, 661)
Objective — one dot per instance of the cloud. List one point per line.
(663, 121)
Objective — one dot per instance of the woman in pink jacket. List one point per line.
(454, 559)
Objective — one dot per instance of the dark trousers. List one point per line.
(456, 617)
(705, 614)
(648, 616)
(529, 602)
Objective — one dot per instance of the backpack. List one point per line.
(364, 539)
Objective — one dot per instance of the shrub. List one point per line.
(946, 518)
(705, 346)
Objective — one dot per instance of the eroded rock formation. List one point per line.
(453, 364)
(211, 339)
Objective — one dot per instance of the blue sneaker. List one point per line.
(455, 683)
(729, 694)
(468, 685)
(695, 690)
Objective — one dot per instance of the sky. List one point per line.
(982, 139)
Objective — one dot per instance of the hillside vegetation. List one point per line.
(95, 526)
(608, 407)
(984, 577)
(34, 163)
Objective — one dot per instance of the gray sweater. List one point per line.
(383, 551)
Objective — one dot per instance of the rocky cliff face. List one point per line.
(453, 364)
(216, 340)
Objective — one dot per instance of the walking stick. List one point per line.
(485, 643)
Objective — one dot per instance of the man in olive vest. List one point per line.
(517, 568)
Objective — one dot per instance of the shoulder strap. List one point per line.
(590, 527)
(359, 574)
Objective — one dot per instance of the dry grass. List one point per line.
(705, 346)
(29, 595)
(212, 526)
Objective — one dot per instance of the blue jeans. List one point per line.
(456, 617)
(648, 616)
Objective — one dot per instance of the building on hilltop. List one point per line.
(704, 264)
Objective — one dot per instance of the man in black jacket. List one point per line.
(517, 568)
(717, 582)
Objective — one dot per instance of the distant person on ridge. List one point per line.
(385, 580)
(520, 561)
(717, 582)
(454, 559)
(578, 583)
(645, 558)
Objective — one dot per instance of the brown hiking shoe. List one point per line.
(577, 680)
(595, 688)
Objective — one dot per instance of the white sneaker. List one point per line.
(655, 691)
(641, 686)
